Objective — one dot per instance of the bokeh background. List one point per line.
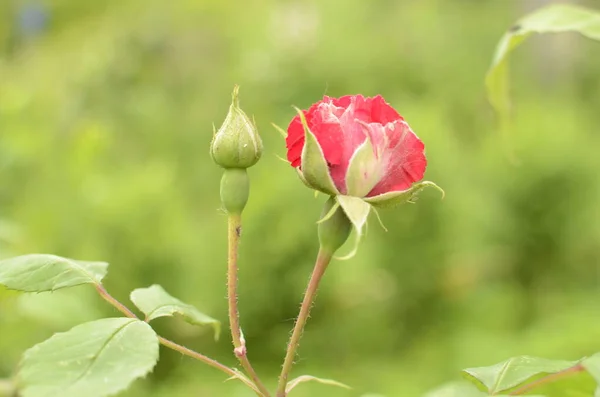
(106, 112)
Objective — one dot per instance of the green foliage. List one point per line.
(40, 272)
(155, 302)
(95, 359)
(514, 371)
(552, 19)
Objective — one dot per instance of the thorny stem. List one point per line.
(174, 346)
(322, 261)
(548, 379)
(234, 232)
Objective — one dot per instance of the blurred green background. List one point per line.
(106, 112)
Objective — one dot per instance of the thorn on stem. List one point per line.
(238, 231)
(240, 351)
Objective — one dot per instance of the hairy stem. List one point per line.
(322, 261)
(213, 363)
(239, 344)
(174, 346)
(548, 379)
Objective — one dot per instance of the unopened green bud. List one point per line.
(335, 230)
(237, 143)
(235, 189)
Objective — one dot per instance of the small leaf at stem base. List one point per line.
(155, 302)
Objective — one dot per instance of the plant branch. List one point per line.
(110, 299)
(548, 379)
(213, 363)
(174, 346)
(322, 261)
(234, 232)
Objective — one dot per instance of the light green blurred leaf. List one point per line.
(309, 378)
(95, 359)
(155, 302)
(514, 371)
(7, 388)
(43, 272)
(552, 19)
(592, 366)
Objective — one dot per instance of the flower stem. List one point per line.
(239, 344)
(548, 379)
(322, 261)
(174, 346)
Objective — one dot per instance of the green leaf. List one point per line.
(552, 19)
(356, 209)
(393, 199)
(514, 371)
(456, 389)
(95, 359)
(309, 378)
(43, 272)
(155, 302)
(315, 172)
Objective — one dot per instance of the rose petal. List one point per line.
(295, 136)
(382, 112)
(406, 160)
(341, 125)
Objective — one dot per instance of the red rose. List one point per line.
(368, 147)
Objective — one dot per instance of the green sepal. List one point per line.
(392, 199)
(236, 144)
(334, 228)
(363, 170)
(315, 172)
(356, 209)
(281, 131)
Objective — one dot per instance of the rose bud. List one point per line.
(359, 150)
(235, 147)
(237, 143)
